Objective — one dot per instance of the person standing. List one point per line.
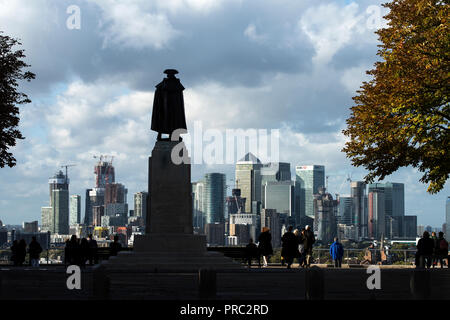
(425, 249)
(115, 246)
(251, 252)
(308, 243)
(441, 249)
(265, 245)
(337, 252)
(72, 251)
(93, 248)
(289, 246)
(435, 248)
(34, 250)
(301, 249)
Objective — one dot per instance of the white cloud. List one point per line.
(135, 25)
(331, 27)
(203, 6)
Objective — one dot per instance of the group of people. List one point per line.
(19, 252)
(431, 250)
(82, 251)
(295, 245)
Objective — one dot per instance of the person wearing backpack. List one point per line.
(442, 249)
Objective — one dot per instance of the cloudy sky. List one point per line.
(282, 64)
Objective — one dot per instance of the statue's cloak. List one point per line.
(168, 106)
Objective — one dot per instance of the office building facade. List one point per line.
(75, 210)
(248, 179)
(376, 220)
(140, 205)
(447, 218)
(60, 212)
(360, 214)
(279, 195)
(325, 211)
(214, 194)
(308, 179)
(345, 209)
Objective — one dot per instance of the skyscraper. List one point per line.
(115, 193)
(235, 203)
(360, 216)
(55, 218)
(248, 179)
(214, 193)
(116, 200)
(140, 205)
(75, 210)
(58, 181)
(308, 179)
(198, 214)
(47, 218)
(88, 218)
(274, 172)
(394, 205)
(447, 218)
(325, 210)
(345, 209)
(60, 212)
(376, 212)
(409, 227)
(279, 195)
(104, 173)
(394, 197)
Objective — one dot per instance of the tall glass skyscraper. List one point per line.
(274, 172)
(447, 218)
(279, 195)
(214, 193)
(394, 195)
(360, 214)
(75, 210)
(308, 180)
(345, 209)
(248, 179)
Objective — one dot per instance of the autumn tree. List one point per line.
(401, 116)
(11, 73)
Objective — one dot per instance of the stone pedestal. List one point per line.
(169, 242)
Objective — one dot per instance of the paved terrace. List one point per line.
(272, 283)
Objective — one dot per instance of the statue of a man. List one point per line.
(168, 106)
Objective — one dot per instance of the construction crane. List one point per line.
(68, 166)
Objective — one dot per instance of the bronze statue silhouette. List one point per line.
(168, 106)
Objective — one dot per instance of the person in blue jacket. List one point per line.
(337, 252)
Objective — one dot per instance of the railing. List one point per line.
(54, 256)
(322, 255)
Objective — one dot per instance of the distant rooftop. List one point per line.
(250, 158)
